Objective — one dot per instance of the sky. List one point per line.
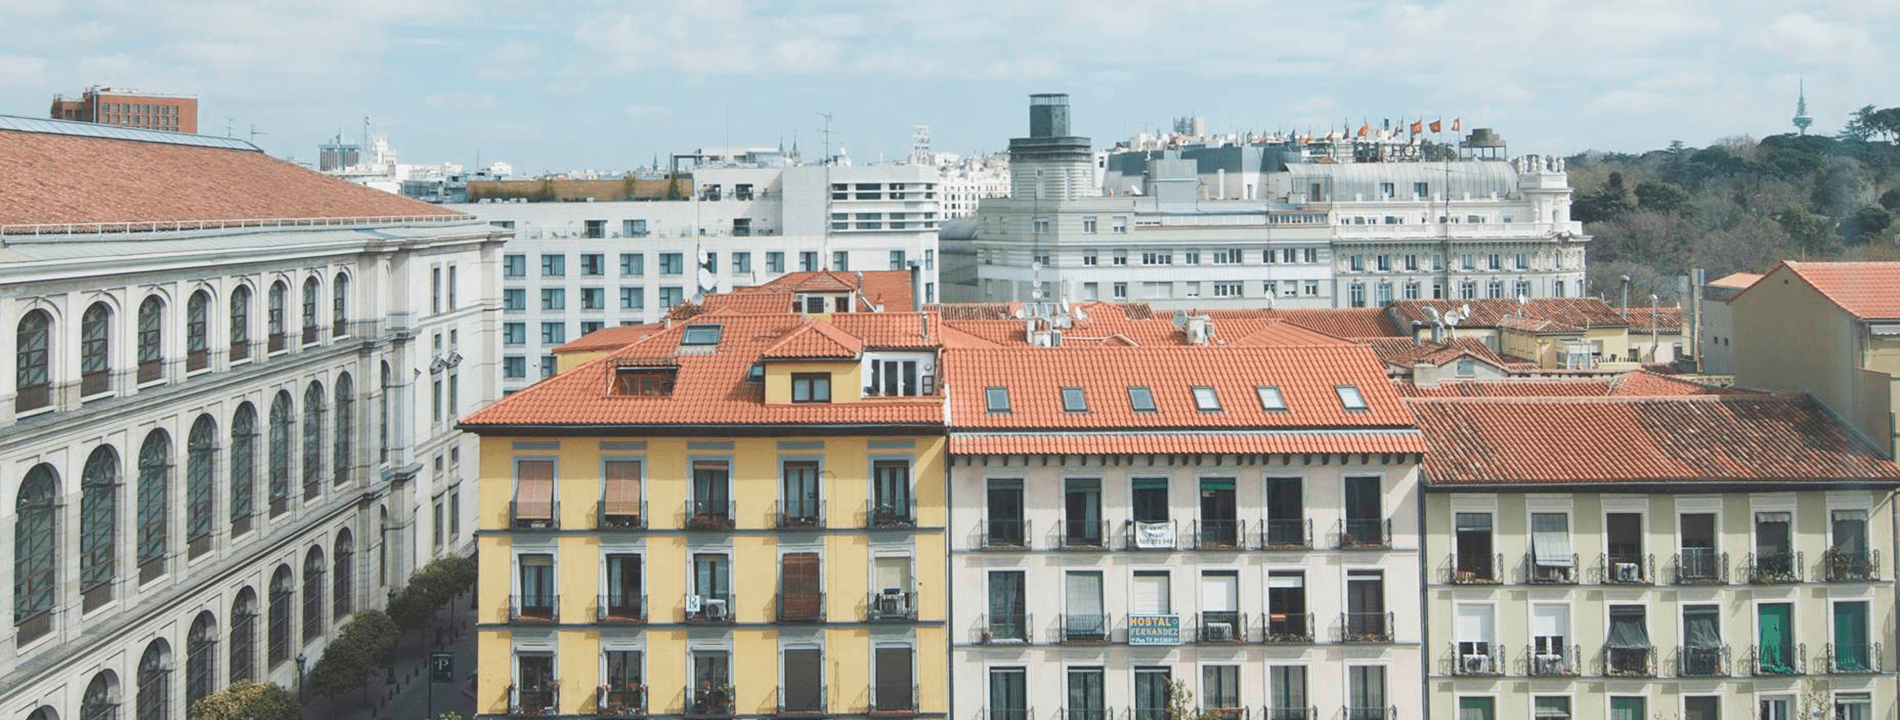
(569, 84)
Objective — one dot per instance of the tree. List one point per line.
(1607, 203)
(363, 643)
(246, 700)
(1865, 224)
(626, 186)
(1813, 234)
(1662, 197)
(1868, 124)
(1891, 199)
(1181, 704)
(429, 589)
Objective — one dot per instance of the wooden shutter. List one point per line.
(623, 487)
(893, 679)
(799, 585)
(534, 496)
(803, 686)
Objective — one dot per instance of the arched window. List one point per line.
(341, 440)
(282, 590)
(274, 315)
(340, 305)
(312, 440)
(98, 525)
(101, 701)
(201, 659)
(151, 339)
(313, 594)
(95, 350)
(33, 378)
(44, 712)
(155, 675)
(240, 323)
(243, 635)
(311, 292)
(198, 331)
(280, 453)
(155, 460)
(35, 554)
(243, 468)
(343, 567)
(382, 549)
(382, 418)
(201, 448)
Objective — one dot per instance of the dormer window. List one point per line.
(1141, 399)
(1074, 400)
(1205, 399)
(704, 336)
(811, 387)
(1349, 397)
(644, 382)
(1270, 399)
(997, 399)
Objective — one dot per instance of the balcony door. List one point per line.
(1009, 694)
(1286, 512)
(1083, 601)
(1082, 512)
(1286, 690)
(895, 690)
(1152, 690)
(1005, 512)
(804, 681)
(1365, 691)
(1086, 698)
(1776, 624)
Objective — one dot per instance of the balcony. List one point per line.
(1778, 659)
(890, 606)
(1365, 627)
(710, 702)
(803, 702)
(1286, 534)
(1226, 712)
(534, 521)
(1854, 659)
(1085, 629)
(1085, 713)
(1474, 569)
(1627, 569)
(619, 609)
(1549, 572)
(800, 610)
(1701, 566)
(1305, 713)
(620, 702)
(1220, 628)
(1370, 713)
(884, 514)
(1365, 534)
(1554, 662)
(707, 516)
(1287, 629)
(896, 706)
(1850, 566)
(620, 521)
(530, 609)
(524, 702)
(1481, 659)
(1702, 661)
(1007, 629)
(1629, 661)
(1774, 568)
(1140, 535)
(714, 609)
(1082, 536)
(803, 516)
(1010, 534)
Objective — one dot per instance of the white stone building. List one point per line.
(228, 411)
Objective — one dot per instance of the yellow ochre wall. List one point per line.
(847, 566)
(847, 381)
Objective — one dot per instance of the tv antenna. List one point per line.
(256, 132)
(826, 131)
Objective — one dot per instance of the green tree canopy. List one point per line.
(246, 700)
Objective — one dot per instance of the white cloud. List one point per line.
(460, 100)
(22, 71)
(648, 113)
(1802, 38)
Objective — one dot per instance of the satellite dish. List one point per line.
(1064, 322)
(1452, 318)
(1022, 313)
(1080, 314)
(1035, 293)
(1464, 310)
(1180, 319)
(707, 283)
(1429, 310)
(1035, 267)
(1523, 299)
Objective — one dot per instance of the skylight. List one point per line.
(1205, 399)
(1349, 396)
(997, 398)
(1073, 400)
(701, 335)
(1270, 399)
(1141, 398)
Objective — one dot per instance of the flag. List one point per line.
(1364, 128)
(1436, 125)
(1456, 123)
(1417, 127)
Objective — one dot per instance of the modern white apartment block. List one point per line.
(1336, 224)
(967, 181)
(576, 267)
(228, 410)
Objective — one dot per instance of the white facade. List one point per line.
(573, 268)
(970, 180)
(171, 548)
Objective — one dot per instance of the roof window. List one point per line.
(701, 335)
(1270, 398)
(1206, 399)
(997, 398)
(1349, 396)
(1073, 400)
(644, 382)
(1141, 398)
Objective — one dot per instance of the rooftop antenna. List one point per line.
(256, 132)
(365, 146)
(826, 130)
(227, 126)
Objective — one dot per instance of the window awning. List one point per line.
(534, 493)
(1627, 629)
(623, 487)
(1550, 539)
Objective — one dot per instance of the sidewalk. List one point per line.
(408, 699)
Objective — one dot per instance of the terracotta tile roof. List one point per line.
(1487, 313)
(1667, 320)
(1707, 439)
(1403, 353)
(1638, 383)
(1866, 290)
(1305, 375)
(815, 339)
(1349, 323)
(889, 288)
(1185, 443)
(1644, 382)
(612, 338)
(893, 330)
(56, 179)
(975, 311)
(1736, 281)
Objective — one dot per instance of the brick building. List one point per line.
(150, 111)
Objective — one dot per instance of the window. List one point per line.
(1481, 708)
(671, 296)
(891, 493)
(634, 228)
(35, 554)
(514, 333)
(342, 443)
(1356, 293)
(1082, 514)
(996, 399)
(1847, 558)
(1774, 551)
(435, 290)
(282, 591)
(633, 298)
(280, 421)
(151, 334)
(1851, 706)
(1473, 561)
(1085, 696)
(808, 261)
(240, 323)
(1227, 289)
(1074, 400)
(198, 331)
(154, 696)
(514, 367)
(1629, 650)
(741, 263)
(775, 261)
(593, 263)
(1365, 693)
(200, 446)
(804, 688)
(1311, 289)
(1286, 693)
(798, 494)
(1270, 398)
(625, 599)
(537, 598)
(1628, 708)
(1088, 225)
(1350, 398)
(1149, 504)
(1121, 257)
(1219, 523)
(344, 574)
(154, 495)
(712, 585)
(514, 299)
(243, 637)
(593, 299)
(1286, 524)
(1551, 558)
(1009, 694)
(553, 333)
(1205, 399)
(1141, 399)
(553, 299)
(553, 265)
(1121, 291)
(1365, 515)
(712, 494)
(1008, 618)
(274, 316)
(811, 387)
(799, 596)
(95, 350)
(1153, 691)
(1157, 258)
(894, 684)
(891, 378)
(312, 440)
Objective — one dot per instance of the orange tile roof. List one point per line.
(1770, 439)
(814, 340)
(1866, 290)
(1305, 375)
(1349, 323)
(1487, 313)
(1403, 441)
(889, 288)
(1404, 352)
(610, 338)
(59, 179)
(1637, 383)
(1736, 280)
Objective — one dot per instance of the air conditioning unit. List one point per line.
(891, 602)
(1477, 664)
(1628, 572)
(1549, 664)
(1220, 631)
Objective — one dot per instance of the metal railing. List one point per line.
(1702, 661)
(1131, 539)
(1226, 712)
(1287, 628)
(1009, 628)
(539, 608)
(1487, 661)
(100, 228)
(818, 706)
(880, 706)
(1629, 661)
(1626, 569)
(1302, 713)
(1370, 713)
(619, 521)
(1085, 628)
(1854, 658)
(1004, 534)
(1563, 662)
(1849, 566)
(1082, 536)
(1474, 569)
(551, 522)
(1701, 566)
(539, 701)
(1286, 534)
(621, 609)
(1220, 534)
(1220, 627)
(1008, 714)
(714, 609)
(883, 606)
(696, 515)
(623, 701)
(1778, 659)
(890, 515)
(1774, 568)
(708, 703)
(1536, 573)
(1085, 713)
(817, 614)
(805, 516)
(1365, 627)
(1375, 533)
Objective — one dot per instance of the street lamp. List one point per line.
(301, 659)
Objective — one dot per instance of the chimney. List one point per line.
(916, 287)
(1416, 325)
(1199, 328)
